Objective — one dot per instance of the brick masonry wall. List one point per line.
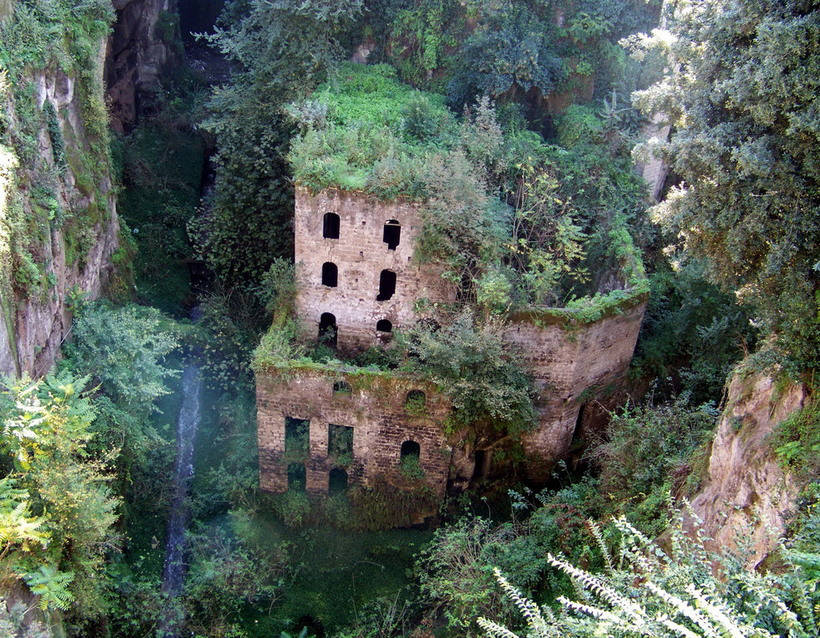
(570, 366)
(360, 255)
(376, 411)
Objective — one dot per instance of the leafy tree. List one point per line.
(229, 569)
(454, 570)
(125, 349)
(647, 453)
(742, 95)
(692, 334)
(58, 508)
(279, 49)
(491, 395)
(525, 51)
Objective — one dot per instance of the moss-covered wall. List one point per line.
(58, 221)
(374, 404)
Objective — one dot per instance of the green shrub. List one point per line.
(796, 440)
(410, 467)
(676, 590)
(293, 507)
(646, 450)
(579, 124)
(490, 394)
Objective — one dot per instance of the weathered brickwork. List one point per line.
(571, 365)
(375, 408)
(571, 362)
(360, 255)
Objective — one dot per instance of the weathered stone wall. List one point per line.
(571, 364)
(360, 255)
(375, 409)
(572, 361)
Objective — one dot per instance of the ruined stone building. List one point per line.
(327, 426)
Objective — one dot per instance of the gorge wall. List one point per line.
(748, 498)
(59, 229)
(144, 42)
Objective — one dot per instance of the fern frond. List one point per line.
(601, 589)
(653, 549)
(528, 609)
(678, 629)
(494, 630)
(593, 612)
(714, 612)
(684, 608)
(595, 530)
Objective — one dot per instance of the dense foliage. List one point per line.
(279, 49)
(742, 94)
(506, 121)
(680, 591)
(56, 508)
(491, 395)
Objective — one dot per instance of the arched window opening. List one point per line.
(392, 234)
(337, 481)
(296, 477)
(409, 465)
(330, 226)
(415, 401)
(384, 325)
(330, 274)
(410, 448)
(342, 388)
(387, 285)
(327, 329)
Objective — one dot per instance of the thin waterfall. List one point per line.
(174, 570)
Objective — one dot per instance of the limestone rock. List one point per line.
(747, 498)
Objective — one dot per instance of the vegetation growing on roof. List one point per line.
(366, 131)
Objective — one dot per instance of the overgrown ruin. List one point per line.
(357, 281)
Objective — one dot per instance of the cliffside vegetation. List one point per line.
(60, 41)
(511, 123)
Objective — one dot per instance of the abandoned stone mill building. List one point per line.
(327, 426)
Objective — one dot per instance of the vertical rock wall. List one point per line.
(747, 497)
(143, 43)
(58, 217)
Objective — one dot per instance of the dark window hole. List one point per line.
(387, 285)
(330, 226)
(330, 274)
(392, 234)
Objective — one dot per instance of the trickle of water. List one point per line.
(174, 570)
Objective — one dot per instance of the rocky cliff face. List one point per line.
(59, 230)
(747, 498)
(142, 44)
